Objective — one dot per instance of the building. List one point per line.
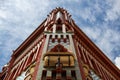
(59, 50)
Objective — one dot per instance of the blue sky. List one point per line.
(99, 19)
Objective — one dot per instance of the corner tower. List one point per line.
(59, 60)
(59, 50)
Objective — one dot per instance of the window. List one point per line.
(59, 26)
(44, 73)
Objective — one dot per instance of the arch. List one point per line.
(59, 21)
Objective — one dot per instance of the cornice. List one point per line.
(96, 50)
(29, 40)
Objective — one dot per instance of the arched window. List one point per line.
(59, 26)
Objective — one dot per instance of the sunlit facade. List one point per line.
(59, 50)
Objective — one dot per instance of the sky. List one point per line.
(99, 20)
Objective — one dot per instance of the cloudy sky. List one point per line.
(99, 19)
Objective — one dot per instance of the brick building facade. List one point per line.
(59, 50)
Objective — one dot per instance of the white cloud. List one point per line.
(114, 12)
(93, 33)
(21, 13)
(2, 14)
(88, 15)
(117, 61)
